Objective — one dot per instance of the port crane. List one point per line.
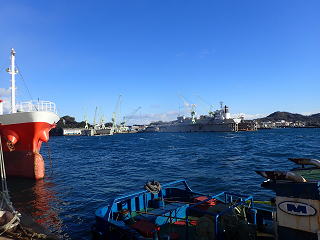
(94, 120)
(102, 119)
(123, 124)
(114, 124)
(85, 118)
(192, 110)
(211, 112)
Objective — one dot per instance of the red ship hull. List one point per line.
(22, 135)
(28, 164)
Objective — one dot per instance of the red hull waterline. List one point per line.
(21, 143)
(28, 164)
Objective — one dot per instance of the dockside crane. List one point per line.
(94, 120)
(102, 119)
(211, 113)
(85, 118)
(114, 124)
(192, 110)
(123, 124)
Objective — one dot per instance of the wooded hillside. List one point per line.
(290, 117)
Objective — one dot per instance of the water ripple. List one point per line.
(90, 171)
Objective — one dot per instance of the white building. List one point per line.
(71, 131)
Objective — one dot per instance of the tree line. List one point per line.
(69, 122)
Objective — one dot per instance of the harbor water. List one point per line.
(89, 171)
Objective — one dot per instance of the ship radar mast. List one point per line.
(13, 72)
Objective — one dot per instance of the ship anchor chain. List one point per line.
(9, 144)
(26, 234)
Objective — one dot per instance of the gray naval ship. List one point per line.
(217, 121)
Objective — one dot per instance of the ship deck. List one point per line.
(177, 229)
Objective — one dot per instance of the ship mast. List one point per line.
(13, 72)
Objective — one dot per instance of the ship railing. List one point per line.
(35, 105)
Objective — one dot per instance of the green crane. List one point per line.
(94, 120)
(102, 119)
(123, 124)
(192, 110)
(85, 118)
(211, 112)
(114, 124)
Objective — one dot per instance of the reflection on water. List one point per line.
(37, 199)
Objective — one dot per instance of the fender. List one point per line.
(306, 161)
(282, 175)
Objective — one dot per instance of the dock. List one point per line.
(29, 223)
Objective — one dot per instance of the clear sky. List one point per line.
(257, 56)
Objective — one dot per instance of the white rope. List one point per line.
(3, 170)
(13, 223)
(5, 198)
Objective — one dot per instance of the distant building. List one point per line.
(71, 131)
(267, 125)
(138, 127)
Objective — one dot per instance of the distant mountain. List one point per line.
(316, 115)
(290, 117)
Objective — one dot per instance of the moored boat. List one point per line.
(23, 130)
(174, 211)
(219, 121)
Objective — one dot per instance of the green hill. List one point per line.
(66, 122)
(289, 117)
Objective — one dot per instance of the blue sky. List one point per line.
(257, 57)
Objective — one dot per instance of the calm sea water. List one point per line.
(89, 171)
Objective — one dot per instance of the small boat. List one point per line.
(174, 211)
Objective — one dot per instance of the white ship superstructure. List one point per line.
(219, 121)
